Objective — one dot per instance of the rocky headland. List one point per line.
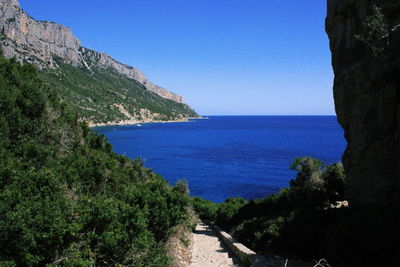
(99, 88)
(37, 42)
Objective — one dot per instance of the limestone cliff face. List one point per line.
(90, 56)
(367, 98)
(37, 42)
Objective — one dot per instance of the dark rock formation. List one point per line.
(367, 98)
(37, 42)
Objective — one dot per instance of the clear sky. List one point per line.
(235, 57)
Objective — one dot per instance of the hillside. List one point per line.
(100, 89)
(103, 95)
(65, 197)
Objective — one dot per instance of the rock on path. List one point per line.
(208, 251)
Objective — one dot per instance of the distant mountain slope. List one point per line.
(104, 95)
(102, 89)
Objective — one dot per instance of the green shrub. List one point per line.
(334, 182)
(65, 197)
(316, 184)
(375, 33)
(182, 187)
(291, 223)
(227, 210)
(207, 210)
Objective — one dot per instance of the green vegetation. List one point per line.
(221, 213)
(93, 93)
(376, 32)
(65, 197)
(289, 223)
(303, 221)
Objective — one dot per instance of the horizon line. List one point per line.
(272, 115)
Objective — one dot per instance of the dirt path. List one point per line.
(207, 250)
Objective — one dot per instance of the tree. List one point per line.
(308, 184)
(182, 187)
(317, 183)
(376, 32)
(334, 178)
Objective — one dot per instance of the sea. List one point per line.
(230, 156)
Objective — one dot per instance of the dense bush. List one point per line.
(290, 223)
(315, 184)
(65, 198)
(300, 222)
(228, 209)
(207, 210)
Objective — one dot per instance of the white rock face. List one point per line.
(105, 61)
(37, 41)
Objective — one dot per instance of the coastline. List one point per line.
(135, 122)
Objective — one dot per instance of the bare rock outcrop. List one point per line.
(105, 61)
(37, 42)
(367, 96)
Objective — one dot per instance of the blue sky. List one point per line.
(234, 57)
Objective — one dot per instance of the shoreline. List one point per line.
(135, 122)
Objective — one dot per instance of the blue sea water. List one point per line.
(229, 156)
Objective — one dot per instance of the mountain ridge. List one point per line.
(36, 42)
(45, 38)
(102, 96)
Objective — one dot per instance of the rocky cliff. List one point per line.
(38, 42)
(365, 43)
